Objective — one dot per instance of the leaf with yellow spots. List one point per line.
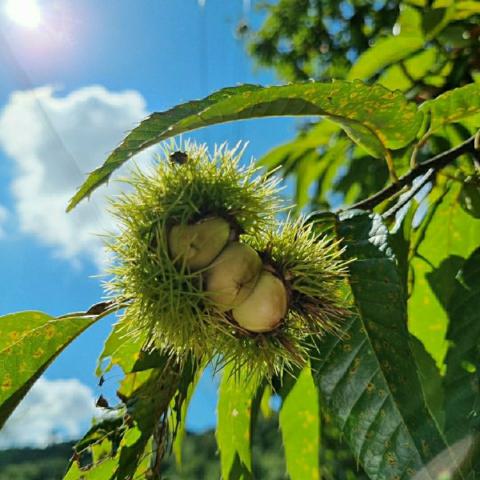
(373, 389)
(454, 106)
(375, 118)
(300, 426)
(29, 342)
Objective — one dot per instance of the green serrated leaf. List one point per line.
(368, 377)
(453, 106)
(30, 341)
(376, 118)
(234, 433)
(300, 426)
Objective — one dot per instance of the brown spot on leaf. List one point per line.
(7, 382)
(38, 352)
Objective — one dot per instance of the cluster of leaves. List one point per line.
(382, 385)
(303, 39)
(402, 382)
(421, 48)
(425, 46)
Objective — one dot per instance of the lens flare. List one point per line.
(26, 13)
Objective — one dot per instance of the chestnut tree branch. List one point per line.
(436, 163)
(404, 199)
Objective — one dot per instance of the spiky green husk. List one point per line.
(168, 302)
(311, 268)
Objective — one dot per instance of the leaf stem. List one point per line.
(391, 166)
(436, 163)
(101, 309)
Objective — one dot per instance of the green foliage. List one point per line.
(370, 379)
(431, 380)
(420, 47)
(377, 119)
(393, 48)
(323, 39)
(453, 107)
(462, 388)
(200, 458)
(29, 342)
(300, 426)
(237, 410)
(133, 439)
(318, 39)
(447, 237)
(394, 351)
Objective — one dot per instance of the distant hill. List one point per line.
(200, 458)
(34, 463)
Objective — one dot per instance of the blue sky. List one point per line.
(82, 78)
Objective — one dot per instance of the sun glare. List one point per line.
(26, 13)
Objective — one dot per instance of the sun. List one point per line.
(26, 13)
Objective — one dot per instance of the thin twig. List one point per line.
(409, 195)
(436, 163)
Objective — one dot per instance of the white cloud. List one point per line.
(54, 141)
(53, 410)
(3, 218)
